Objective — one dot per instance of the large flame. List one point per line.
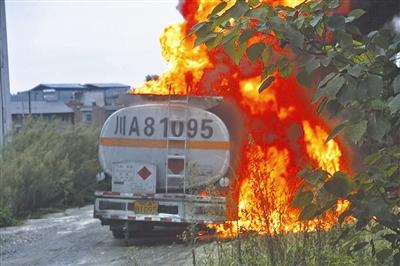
(185, 62)
(285, 133)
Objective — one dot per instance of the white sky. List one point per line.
(85, 41)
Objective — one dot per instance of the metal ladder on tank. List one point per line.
(182, 156)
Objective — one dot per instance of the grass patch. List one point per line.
(316, 248)
(7, 218)
(37, 214)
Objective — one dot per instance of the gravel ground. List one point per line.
(73, 237)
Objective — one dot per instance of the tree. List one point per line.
(358, 82)
(47, 166)
(151, 77)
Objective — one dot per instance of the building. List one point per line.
(72, 103)
(57, 112)
(99, 93)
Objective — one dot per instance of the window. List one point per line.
(50, 95)
(87, 117)
(64, 117)
(65, 96)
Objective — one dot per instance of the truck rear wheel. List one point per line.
(118, 233)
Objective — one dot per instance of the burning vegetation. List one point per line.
(285, 132)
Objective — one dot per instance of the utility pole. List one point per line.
(5, 115)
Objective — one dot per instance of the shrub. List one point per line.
(48, 166)
(7, 218)
(313, 248)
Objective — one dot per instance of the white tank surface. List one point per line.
(177, 139)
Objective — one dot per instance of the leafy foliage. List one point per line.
(45, 166)
(7, 218)
(291, 249)
(357, 80)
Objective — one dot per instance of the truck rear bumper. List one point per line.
(166, 208)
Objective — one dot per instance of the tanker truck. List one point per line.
(168, 159)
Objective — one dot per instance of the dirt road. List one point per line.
(73, 237)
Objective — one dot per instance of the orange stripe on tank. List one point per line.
(177, 144)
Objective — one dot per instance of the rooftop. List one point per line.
(78, 86)
(59, 86)
(39, 107)
(107, 85)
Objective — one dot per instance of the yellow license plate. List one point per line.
(146, 207)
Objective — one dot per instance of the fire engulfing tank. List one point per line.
(164, 155)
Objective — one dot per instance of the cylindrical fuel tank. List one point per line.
(167, 135)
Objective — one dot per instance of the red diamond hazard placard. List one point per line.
(144, 173)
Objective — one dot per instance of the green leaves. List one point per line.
(246, 34)
(336, 131)
(381, 39)
(197, 27)
(202, 31)
(253, 3)
(355, 70)
(217, 9)
(282, 62)
(384, 254)
(254, 51)
(378, 127)
(304, 78)
(52, 170)
(355, 131)
(221, 20)
(302, 199)
(266, 83)
(357, 78)
(345, 39)
(313, 177)
(214, 40)
(336, 22)
(312, 65)
(331, 88)
(295, 37)
(360, 246)
(396, 84)
(259, 13)
(266, 55)
(339, 185)
(377, 104)
(316, 19)
(238, 9)
(268, 71)
(373, 84)
(309, 212)
(373, 158)
(354, 14)
(394, 104)
(322, 105)
(332, 4)
(235, 53)
(287, 70)
(285, 67)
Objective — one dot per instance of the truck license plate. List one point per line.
(146, 207)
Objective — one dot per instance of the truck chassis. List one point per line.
(129, 212)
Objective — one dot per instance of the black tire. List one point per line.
(118, 233)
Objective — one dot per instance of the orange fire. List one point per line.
(185, 62)
(265, 196)
(286, 134)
